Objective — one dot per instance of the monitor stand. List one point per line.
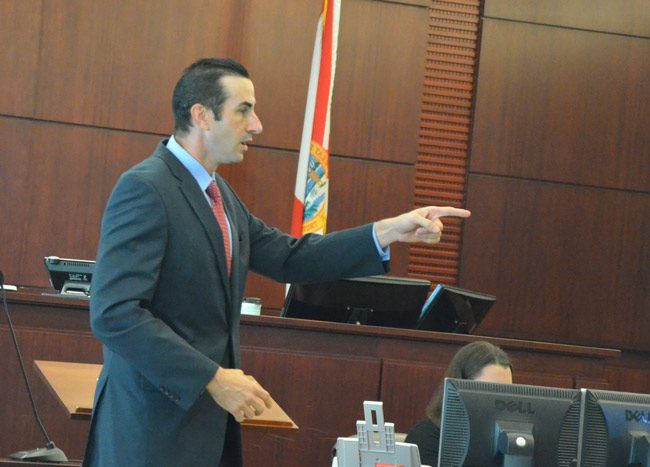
(72, 289)
(640, 451)
(516, 442)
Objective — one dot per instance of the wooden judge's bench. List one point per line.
(320, 373)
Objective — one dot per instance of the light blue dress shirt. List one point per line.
(202, 177)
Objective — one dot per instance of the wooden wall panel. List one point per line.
(536, 378)
(19, 36)
(558, 177)
(407, 388)
(277, 51)
(375, 109)
(17, 424)
(562, 104)
(131, 54)
(624, 378)
(309, 388)
(114, 64)
(567, 264)
(55, 180)
(616, 16)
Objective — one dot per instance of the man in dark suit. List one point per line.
(169, 282)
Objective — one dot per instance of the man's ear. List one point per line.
(200, 115)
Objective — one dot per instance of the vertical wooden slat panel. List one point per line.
(444, 130)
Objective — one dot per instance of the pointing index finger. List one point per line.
(449, 211)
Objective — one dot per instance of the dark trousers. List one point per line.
(232, 448)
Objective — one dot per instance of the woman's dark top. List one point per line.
(426, 435)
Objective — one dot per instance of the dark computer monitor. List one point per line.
(374, 300)
(616, 429)
(488, 424)
(71, 277)
(452, 309)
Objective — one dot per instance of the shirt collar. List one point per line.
(202, 177)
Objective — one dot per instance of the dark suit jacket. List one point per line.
(168, 314)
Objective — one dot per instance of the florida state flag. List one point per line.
(312, 178)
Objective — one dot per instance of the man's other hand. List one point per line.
(238, 393)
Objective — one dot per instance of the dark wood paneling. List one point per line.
(542, 379)
(54, 183)
(563, 105)
(114, 64)
(19, 35)
(407, 388)
(592, 383)
(18, 427)
(567, 264)
(378, 88)
(617, 16)
(279, 60)
(309, 388)
(623, 378)
(143, 45)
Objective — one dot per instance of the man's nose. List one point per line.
(255, 124)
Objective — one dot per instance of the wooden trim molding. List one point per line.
(442, 163)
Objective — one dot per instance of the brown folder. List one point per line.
(73, 384)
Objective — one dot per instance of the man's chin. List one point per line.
(237, 158)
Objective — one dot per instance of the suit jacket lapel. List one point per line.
(195, 198)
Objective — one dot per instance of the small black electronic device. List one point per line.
(374, 300)
(71, 277)
(452, 309)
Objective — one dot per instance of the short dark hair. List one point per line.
(200, 84)
(468, 363)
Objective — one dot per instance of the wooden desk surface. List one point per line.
(73, 384)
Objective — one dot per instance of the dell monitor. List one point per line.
(512, 425)
(374, 300)
(616, 429)
(452, 309)
(71, 277)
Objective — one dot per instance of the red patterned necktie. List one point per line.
(219, 212)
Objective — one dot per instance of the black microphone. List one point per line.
(50, 453)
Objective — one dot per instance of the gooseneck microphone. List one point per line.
(50, 453)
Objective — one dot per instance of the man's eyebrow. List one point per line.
(246, 104)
